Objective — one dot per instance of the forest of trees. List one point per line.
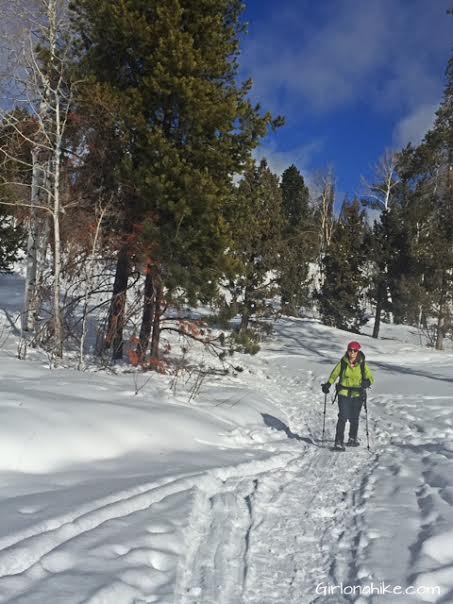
(129, 187)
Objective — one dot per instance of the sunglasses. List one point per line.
(353, 350)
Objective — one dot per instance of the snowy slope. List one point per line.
(109, 497)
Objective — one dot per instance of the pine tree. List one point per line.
(11, 240)
(295, 197)
(380, 196)
(256, 214)
(408, 227)
(178, 124)
(300, 241)
(428, 170)
(341, 294)
(390, 262)
(15, 151)
(440, 143)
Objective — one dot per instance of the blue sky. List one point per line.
(351, 77)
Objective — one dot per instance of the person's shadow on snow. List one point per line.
(277, 424)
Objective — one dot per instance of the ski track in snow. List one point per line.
(55, 546)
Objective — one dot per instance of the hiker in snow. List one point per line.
(355, 376)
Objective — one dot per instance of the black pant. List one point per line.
(349, 409)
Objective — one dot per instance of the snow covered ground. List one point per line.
(115, 498)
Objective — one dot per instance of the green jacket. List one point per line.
(352, 377)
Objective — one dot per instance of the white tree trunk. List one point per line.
(46, 91)
(88, 283)
(28, 320)
(57, 310)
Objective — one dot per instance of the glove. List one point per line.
(325, 387)
(366, 383)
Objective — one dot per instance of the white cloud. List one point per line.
(279, 161)
(381, 53)
(413, 127)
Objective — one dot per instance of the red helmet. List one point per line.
(354, 346)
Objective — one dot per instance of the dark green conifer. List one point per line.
(11, 240)
(428, 172)
(299, 241)
(164, 76)
(342, 292)
(15, 179)
(256, 215)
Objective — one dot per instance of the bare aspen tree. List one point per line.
(379, 196)
(386, 181)
(324, 203)
(28, 323)
(38, 84)
(327, 203)
(90, 268)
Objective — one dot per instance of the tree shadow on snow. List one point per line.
(398, 370)
(277, 424)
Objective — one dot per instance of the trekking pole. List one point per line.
(337, 388)
(324, 420)
(366, 421)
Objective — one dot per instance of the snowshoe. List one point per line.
(339, 447)
(353, 442)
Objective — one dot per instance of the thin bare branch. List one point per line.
(26, 205)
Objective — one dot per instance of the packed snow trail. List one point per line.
(299, 527)
(278, 540)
